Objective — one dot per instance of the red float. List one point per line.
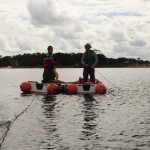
(71, 89)
(100, 89)
(81, 80)
(25, 87)
(53, 89)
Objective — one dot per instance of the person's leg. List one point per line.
(51, 75)
(43, 73)
(45, 76)
(92, 75)
(85, 74)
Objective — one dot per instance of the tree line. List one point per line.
(68, 60)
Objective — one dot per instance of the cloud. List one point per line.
(114, 14)
(48, 12)
(117, 28)
(138, 43)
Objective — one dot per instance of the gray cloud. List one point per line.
(47, 13)
(24, 45)
(118, 29)
(126, 14)
(118, 36)
(2, 43)
(138, 43)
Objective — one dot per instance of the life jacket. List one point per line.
(48, 61)
(88, 57)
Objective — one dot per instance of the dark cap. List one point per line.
(88, 45)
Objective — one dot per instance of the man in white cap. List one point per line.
(89, 60)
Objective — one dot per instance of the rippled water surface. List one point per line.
(118, 120)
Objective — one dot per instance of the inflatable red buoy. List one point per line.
(71, 89)
(53, 89)
(81, 80)
(25, 87)
(100, 89)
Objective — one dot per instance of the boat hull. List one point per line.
(66, 88)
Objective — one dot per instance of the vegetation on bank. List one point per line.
(68, 60)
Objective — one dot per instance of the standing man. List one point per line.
(89, 60)
(49, 73)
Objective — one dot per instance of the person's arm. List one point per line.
(56, 74)
(96, 59)
(54, 57)
(82, 61)
(44, 57)
(45, 63)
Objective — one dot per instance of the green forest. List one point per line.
(68, 60)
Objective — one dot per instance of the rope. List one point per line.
(108, 80)
(105, 77)
(10, 123)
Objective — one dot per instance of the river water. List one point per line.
(118, 120)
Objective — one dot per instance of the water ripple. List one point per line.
(118, 120)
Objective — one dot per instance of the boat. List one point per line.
(77, 87)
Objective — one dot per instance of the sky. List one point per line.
(118, 28)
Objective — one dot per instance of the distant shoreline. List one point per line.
(10, 67)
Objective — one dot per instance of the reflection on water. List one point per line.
(50, 126)
(89, 116)
(80, 125)
(89, 134)
(49, 103)
(118, 120)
